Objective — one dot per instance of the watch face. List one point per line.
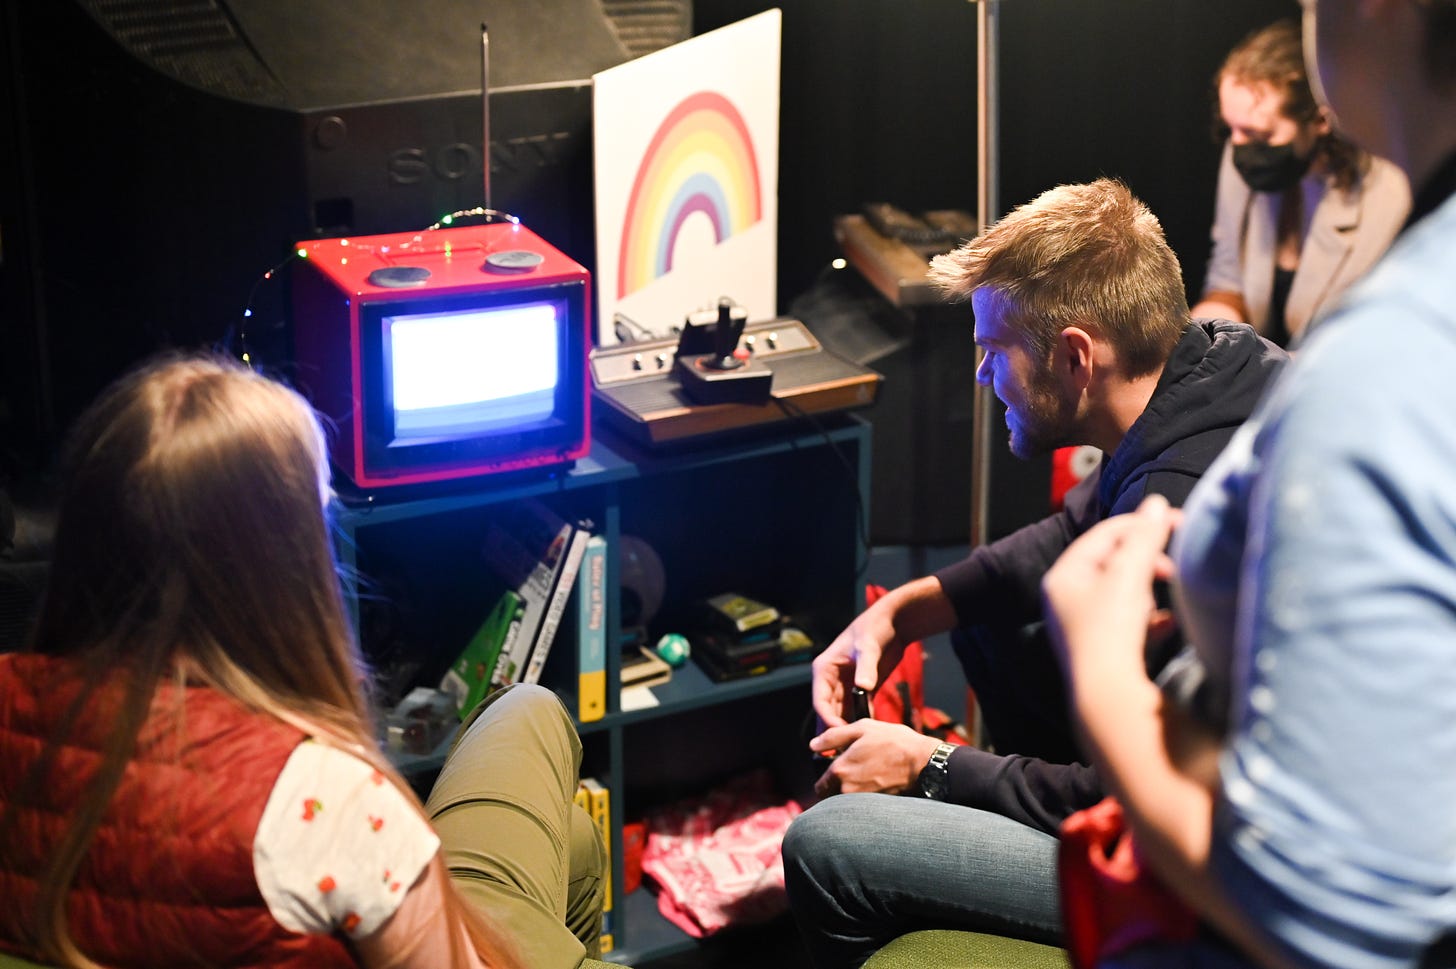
(934, 781)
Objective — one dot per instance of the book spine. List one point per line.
(508, 660)
(527, 548)
(565, 580)
(591, 598)
(510, 623)
(468, 678)
(601, 814)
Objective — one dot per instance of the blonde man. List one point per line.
(1079, 310)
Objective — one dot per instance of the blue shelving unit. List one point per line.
(778, 516)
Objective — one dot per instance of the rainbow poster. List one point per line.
(686, 156)
(701, 160)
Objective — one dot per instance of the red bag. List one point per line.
(1110, 901)
(901, 698)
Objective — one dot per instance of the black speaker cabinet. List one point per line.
(249, 125)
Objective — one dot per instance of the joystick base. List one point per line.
(704, 383)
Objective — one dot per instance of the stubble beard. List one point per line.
(1044, 424)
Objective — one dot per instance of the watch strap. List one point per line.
(934, 781)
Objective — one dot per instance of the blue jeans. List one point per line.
(862, 869)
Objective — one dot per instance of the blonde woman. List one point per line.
(188, 772)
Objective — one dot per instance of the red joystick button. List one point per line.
(743, 353)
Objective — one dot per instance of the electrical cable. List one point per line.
(794, 411)
(239, 330)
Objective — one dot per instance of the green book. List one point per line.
(468, 680)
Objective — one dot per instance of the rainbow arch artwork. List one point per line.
(701, 161)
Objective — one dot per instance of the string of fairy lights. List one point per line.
(245, 353)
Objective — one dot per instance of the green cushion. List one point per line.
(15, 962)
(930, 948)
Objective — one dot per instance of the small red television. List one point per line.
(444, 354)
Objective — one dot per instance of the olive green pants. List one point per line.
(514, 841)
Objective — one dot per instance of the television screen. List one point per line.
(446, 354)
(461, 373)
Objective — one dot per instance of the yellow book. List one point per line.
(600, 810)
(591, 630)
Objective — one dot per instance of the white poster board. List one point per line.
(686, 152)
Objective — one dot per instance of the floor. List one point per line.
(776, 945)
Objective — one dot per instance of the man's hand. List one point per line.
(873, 756)
(861, 656)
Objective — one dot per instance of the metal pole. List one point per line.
(983, 413)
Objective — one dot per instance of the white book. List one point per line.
(526, 545)
(556, 607)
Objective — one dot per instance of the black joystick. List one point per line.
(708, 366)
(726, 331)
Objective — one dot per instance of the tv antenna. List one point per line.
(491, 215)
(485, 111)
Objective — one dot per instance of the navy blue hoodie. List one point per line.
(1038, 776)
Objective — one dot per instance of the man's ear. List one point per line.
(1078, 352)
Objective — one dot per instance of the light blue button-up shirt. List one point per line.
(1317, 567)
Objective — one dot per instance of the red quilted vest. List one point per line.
(168, 879)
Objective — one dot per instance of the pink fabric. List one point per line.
(716, 859)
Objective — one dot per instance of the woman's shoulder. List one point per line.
(339, 843)
(314, 754)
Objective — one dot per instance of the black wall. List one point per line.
(157, 157)
(879, 103)
(1121, 88)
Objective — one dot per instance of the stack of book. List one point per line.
(538, 555)
(596, 800)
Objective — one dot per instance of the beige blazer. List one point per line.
(1345, 232)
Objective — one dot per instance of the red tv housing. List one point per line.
(350, 295)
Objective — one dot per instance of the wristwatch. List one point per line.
(934, 781)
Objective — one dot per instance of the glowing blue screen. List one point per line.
(463, 372)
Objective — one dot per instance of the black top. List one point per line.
(1209, 386)
(1440, 186)
(1278, 329)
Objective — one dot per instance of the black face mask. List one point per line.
(1270, 168)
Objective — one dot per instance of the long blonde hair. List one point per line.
(192, 537)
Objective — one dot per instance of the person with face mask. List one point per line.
(1300, 212)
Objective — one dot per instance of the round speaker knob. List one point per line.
(399, 277)
(513, 261)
